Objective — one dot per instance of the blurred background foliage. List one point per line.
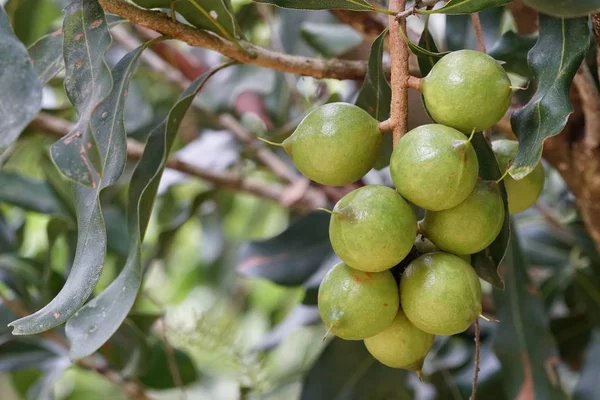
(228, 306)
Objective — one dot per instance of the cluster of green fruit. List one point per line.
(373, 229)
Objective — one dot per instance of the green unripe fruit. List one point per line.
(469, 227)
(425, 246)
(440, 294)
(336, 144)
(355, 304)
(401, 345)
(434, 167)
(523, 193)
(372, 228)
(466, 90)
(565, 8)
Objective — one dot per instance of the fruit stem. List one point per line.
(503, 175)
(269, 142)
(471, 136)
(519, 87)
(326, 210)
(488, 319)
(327, 333)
(420, 375)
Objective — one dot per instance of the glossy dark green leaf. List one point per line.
(98, 320)
(212, 15)
(422, 52)
(20, 90)
(375, 96)
(454, 7)
(346, 371)
(523, 343)
(27, 193)
(431, 55)
(512, 49)
(554, 60)
(291, 257)
(87, 83)
(159, 376)
(587, 387)
(91, 240)
(487, 261)
(357, 5)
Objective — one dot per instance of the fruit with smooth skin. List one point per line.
(355, 304)
(424, 246)
(565, 8)
(466, 90)
(469, 227)
(401, 345)
(372, 228)
(440, 293)
(434, 167)
(336, 144)
(523, 193)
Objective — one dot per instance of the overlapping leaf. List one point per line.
(454, 7)
(91, 240)
(375, 96)
(554, 60)
(428, 58)
(422, 52)
(512, 49)
(20, 90)
(487, 261)
(87, 83)
(524, 344)
(98, 320)
(27, 193)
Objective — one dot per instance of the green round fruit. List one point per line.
(372, 228)
(336, 144)
(434, 167)
(425, 246)
(469, 227)
(355, 304)
(466, 90)
(523, 193)
(440, 294)
(565, 8)
(401, 345)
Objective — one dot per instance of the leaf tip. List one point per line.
(519, 172)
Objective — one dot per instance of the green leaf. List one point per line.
(87, 83)
(512, 49)
(431, 54)
(91, 239)
(98, 320)
(212, 15)
(159, 376)
(587, 387)
(524, 345)
(375, 96)
(356, 5)
(20, 90)
(454, 7)
(554, 60)
(27, 193)
(346, 371)
(487, 261)
(422, 52)
(33, 18)
(331, 40)
(291, 257)
(46, 55)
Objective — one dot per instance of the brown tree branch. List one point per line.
(596, 28)
(399, 77)
(478, 32)
(476, 361)
(370, 24)
(226, 180)
(159, 22)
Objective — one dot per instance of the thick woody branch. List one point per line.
(159, 22)
(229, 181)
(399, 77)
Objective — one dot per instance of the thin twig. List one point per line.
(413, 9)
(399, 77)
(476, 362)
(226, 180)
(478, 32)
(157, 21)
(590, 99)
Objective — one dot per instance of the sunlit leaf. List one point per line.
(465, 6)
